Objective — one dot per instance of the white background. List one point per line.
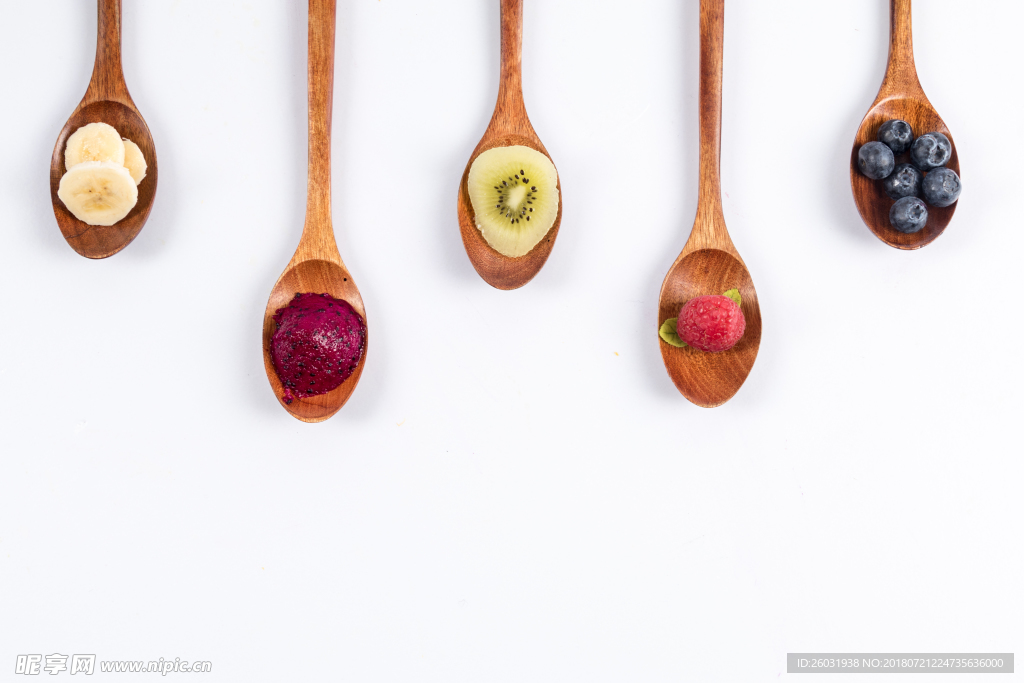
(516, 491)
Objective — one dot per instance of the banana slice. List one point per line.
(134, 161)
(94, 142)
(98, 192)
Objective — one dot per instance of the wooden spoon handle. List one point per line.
(318, 234)
(510, 111)
(900, 72)
(709, 228)
(107, 81)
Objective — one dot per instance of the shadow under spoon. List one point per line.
(509, 126)
(107, 101)
(709, 262)
(316, 266)
(899, 97)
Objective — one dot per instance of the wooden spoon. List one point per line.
(709, 263)
(900, 97)
(509, 126)
(316, 266)
(107, 101)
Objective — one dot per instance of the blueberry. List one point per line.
(897, 135)
(875, 160)
(931, 150)
(941, 187)
(908, 214)
(905, 181)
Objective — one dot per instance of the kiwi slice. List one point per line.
(514, 196)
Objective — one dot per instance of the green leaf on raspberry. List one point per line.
(669, 335)
(734, 294)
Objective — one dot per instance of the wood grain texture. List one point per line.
(899, 97)
(509, 126)
(107, 101)
(316, 266)
(709, 262)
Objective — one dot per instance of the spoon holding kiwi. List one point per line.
(510, 198)
(709, 263)
(106, 101)
(899, 98)
(316, 271)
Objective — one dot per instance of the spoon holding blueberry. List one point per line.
(904, 169)
(709, 318)
(103, 172)
(314, 329)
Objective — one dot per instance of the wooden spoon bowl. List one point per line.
(316, 267)
(709, 262)
(101, 241)
(106, 101)
(509, 126)
(900, 97)
(709, 379)
(320, 277)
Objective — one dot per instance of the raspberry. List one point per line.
(711, 323)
